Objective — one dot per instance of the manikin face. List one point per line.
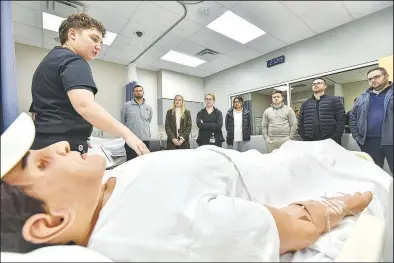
(85, 42)
(377, 80)
(68, 183)
(178, 101)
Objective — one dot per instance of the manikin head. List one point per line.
(66, 185)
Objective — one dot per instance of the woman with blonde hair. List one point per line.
(178, 125)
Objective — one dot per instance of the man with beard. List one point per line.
(137, 115)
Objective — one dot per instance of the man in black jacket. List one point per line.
(321, 116)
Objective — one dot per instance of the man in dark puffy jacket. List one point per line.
(237, 124)
(321, 116)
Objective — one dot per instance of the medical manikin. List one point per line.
(222, 206)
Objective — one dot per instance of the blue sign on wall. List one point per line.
(276, 61)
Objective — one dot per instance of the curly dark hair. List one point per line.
(79, 21)
(16, 208)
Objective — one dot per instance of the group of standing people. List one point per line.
(64, 108)
(320, 117)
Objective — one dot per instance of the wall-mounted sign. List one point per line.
(276, 61)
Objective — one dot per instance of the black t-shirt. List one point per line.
(31, 109)
(59, 72)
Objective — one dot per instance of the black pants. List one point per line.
(76, 144)
(378, 152)
(130, 153)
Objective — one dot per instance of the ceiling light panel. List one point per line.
(235, 27)
(183, 59)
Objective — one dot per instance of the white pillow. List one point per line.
(56, 254)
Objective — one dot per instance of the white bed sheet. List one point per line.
(114, 146)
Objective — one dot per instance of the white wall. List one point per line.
(348, 45)
(173, 83)
(110, 79)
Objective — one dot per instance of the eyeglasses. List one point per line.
(235, 102)
(208, 99)
(317, 83)
(374, 78)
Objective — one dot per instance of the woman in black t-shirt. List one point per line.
(210, 123)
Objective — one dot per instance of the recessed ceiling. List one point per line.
(285, 22)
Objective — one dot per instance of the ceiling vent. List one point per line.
(207, 51)
(65, 8)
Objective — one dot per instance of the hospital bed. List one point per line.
(364, 244)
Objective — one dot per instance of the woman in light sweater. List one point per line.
(279, 122)
(178, 125)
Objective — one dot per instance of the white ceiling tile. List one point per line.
(26, 31)
(198, 73)
(186, 28)
(225, 61)
(171, 66)
(211, 67)
(26, 15)
(122, 8)
(169, 40)
(152, 55)
(150, 34)
(28, 41)
(266, 44)
(327, 17)
(215, 41)
(215, 10)
(104, 49)
(189, 48)
(243, 54)
(116, 53)
(155, 16)
(31, 4)
(111, 22)
(228, 4)
(362, 8)
(172, 6)
(292, 32)
(300, 8)
(266, 15)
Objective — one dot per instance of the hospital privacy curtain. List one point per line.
(129, 90)
(8, 89)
